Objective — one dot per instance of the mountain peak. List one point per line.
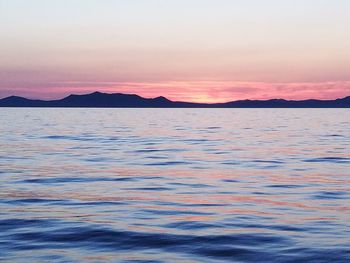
(97, 93)
(119, 100)
(161, 98)
(346, 98)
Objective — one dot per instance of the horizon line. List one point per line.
(160, 96)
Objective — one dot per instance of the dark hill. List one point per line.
(119, 100)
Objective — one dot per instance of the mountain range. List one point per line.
(119, 100)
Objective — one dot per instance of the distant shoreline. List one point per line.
(120, 100)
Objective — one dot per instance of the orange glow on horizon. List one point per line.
(196, 91)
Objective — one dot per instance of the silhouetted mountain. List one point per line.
(280, 103)
(119, 100)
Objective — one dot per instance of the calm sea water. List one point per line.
(175, 185)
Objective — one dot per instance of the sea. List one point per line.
(174, 185)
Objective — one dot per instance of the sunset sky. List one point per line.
(192, 50)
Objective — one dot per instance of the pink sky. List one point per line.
(195, 91)
(187, 50)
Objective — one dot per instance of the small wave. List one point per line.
(33, 201)
(96, 238)
(192, 185)
(231, 181)
(62, 180)
(191, 225)
(175, 212)
(171, 163)
(149, 188)
(285, 186)
(268, 161)
(7, 225)
(73, 138)
(231, 163)
(330, 195)
(335, 135)
(329, 159)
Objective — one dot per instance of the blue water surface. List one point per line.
(174, 185)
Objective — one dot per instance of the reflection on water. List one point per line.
(175, 185)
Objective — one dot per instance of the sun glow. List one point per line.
(199, 91)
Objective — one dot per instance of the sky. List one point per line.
(189, 50)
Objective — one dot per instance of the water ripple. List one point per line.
(177, 185)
